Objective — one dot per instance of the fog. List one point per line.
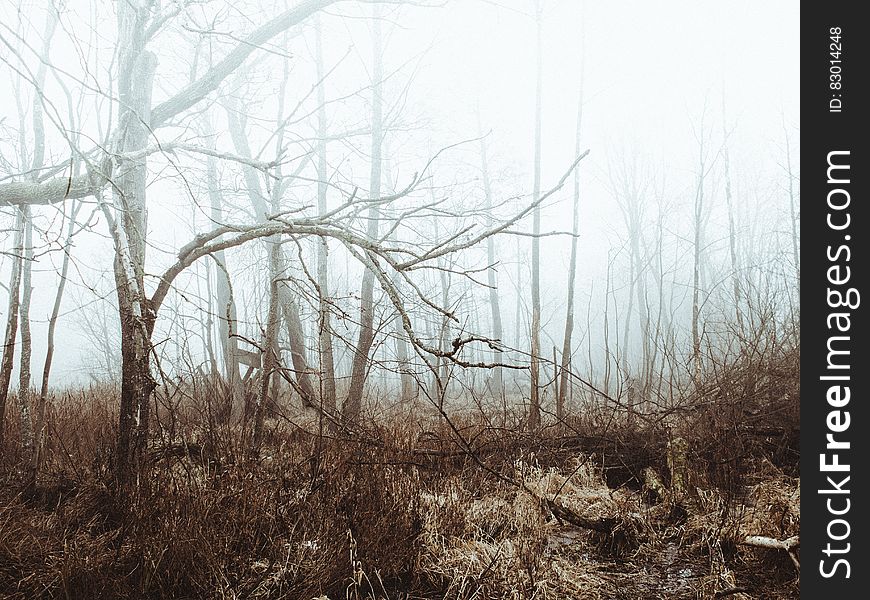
(656, 78)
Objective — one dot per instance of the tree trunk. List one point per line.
(324, 332)
(49, 352)
(732, 230)
(208, 324)
(607, 353)
(353, 404)
(25, 414)
(270, 349)
(641, 291)
(135, 77)
(276, 255)
(32, 420)
(296, 337)
(406, 377)
(696, 272)
(11, 320)
(496, 384)
(793, 211)
(534, 366)
(565, 381)
(226, 307)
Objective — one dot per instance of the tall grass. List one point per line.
(399, 509)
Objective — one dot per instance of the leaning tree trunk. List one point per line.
(49, 352)
(353, 404)
(534, 366)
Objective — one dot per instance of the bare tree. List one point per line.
(125, 167)
(535, 352)
(40, 423)
(496, 384)
(698, 221)
(631, 186)
(732, 232)
(794, 217)
(280, 303)
(327, 361)
(224, 298)
(115, 173)
(353, 403)
(565, 366)
(11, 319)
(25, 412)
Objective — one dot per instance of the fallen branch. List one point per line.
(761, 541)
(788, 544)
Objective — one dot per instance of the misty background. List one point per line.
(656, 79)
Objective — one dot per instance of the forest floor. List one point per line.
(391, 513)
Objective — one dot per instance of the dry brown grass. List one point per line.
(366, 516)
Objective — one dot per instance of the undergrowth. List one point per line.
(398, 511)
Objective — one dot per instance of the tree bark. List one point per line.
(496, 384)
(136, 68)
(732, 230)
(226, 307)
(296, 337)
(276, 261)
(696, 266)
(793, 210)
(353, 404)
(324, 330)
(565, 367)
(534, 421)
(11, 320)
(270, 350)
(52, 325)
(25, 413)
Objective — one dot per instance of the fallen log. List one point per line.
(564, 514)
